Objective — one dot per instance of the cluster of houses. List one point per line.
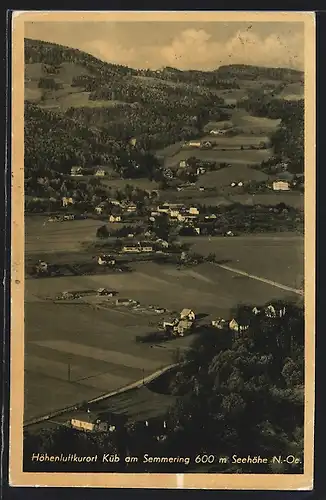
(180, 214)
(238, 326)
(181, 325)
(99, 171)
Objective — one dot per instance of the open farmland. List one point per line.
(99, 342)
(246, 157)
(252, 124)
(292, 198)
(225, 176)
(275, 257)
(236, 141)
(98, 346)
(42, 236)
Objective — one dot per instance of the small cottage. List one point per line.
(188, 314)
(115, 218)
(76, 171)
(99, 172)
(237, 327)
(281, 185)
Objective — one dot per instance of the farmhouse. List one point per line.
(99, 172)
(125, 302)
(131, 248)
(98, 209)
(105, 292)
(194, 144)
(131, 207)
(272, 311)
(41, 267)
(193, 211)
(106, 260)
(219, 323)
(281, 185)
(146, 246)
(218, 132)
(76, 171)
(187, 314)
(167, 207)
(206, 144)
(183, 327)
(67, 201)
(237, 327)
(115, 218)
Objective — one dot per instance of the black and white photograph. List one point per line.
(163, 169)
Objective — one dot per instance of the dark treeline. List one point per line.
(288, 139)
(246, 71)
(237, 393)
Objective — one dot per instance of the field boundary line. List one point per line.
(129, 387)
(259, 278)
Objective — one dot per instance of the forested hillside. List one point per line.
(83, 111)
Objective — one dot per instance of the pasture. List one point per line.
(278, 257)
(253, 124)
(98, 346)
(246, 157)
(97, 342)
(42, 236)
(235, 173)
(293, 199)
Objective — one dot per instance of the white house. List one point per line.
(99, 172)
(235, 326)
(115, 218)
(193, 211)
(131, 208)
(217, 132)
(194, 144)
(219, 323)
(146, 247)
(67, 201)
(272, 311)
(105, 260)
(99, 209)
(182, 163)
(174, 214)
(188, 314)
(76, 171)
(281, 186)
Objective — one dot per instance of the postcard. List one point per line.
(163, 250)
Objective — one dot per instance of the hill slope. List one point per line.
(80, 110)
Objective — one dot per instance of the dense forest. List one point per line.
(237, 394)
(288, 139)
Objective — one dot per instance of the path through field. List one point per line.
(259, 278)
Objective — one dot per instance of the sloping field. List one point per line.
(43, 236)
(293, 199)
(275, 257)
(252, 124)
(293, 91)
(246, 157)
(96, 349)
(225, 176)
